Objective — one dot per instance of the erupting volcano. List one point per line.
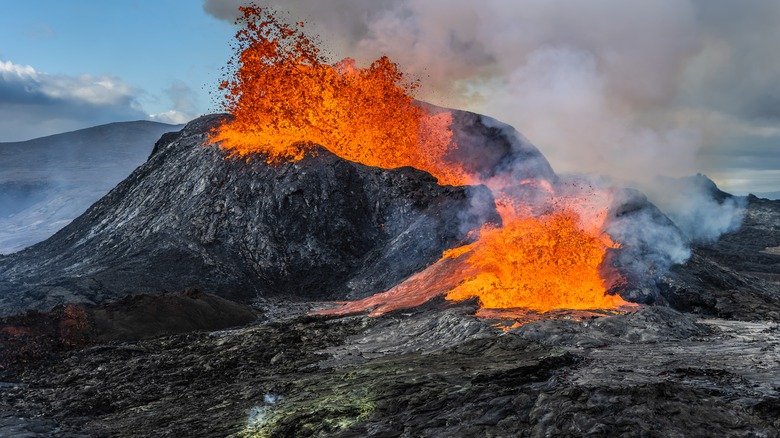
(285, 98)
(332, 257)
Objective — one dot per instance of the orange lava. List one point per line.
(529, 266)
(285, 98)
(537, 263)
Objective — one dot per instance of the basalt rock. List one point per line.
(34, 337)
(655, 372)
(737, 276)
(324, 227)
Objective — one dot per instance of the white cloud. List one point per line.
(89, 89)
(172, 116)
(184, 105)
(9, 71)
(35, 104)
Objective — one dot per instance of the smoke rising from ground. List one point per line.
(701, 211)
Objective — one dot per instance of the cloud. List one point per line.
(184, 105)
(626, 88)
(34, 104)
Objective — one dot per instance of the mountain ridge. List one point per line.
(97, 128)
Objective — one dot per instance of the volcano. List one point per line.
(320, 228)
(121, 338)
(334, 258)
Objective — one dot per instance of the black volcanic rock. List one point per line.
(33, 337)
(322, 227)
(755, 247)
(490, 148)
(326, 227)
(652, 373)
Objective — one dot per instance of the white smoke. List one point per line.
(697, 207)
(588, 82)
(625, 88)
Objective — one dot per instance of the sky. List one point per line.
(70, 64)
(627, 88)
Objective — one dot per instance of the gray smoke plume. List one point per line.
(624, 88)
(621, 88)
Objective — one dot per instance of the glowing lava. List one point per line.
(534, 264)
(285, 97)
(537, 263)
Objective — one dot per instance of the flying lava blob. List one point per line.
(284, 97)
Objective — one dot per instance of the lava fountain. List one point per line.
(285, 98)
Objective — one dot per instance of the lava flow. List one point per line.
(284, 98)
(531, 264)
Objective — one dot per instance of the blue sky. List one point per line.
(151, 57)
(626, 88)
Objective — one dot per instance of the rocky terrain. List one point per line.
(434, 372)
(105, 336)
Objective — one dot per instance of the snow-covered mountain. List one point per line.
(47, 182)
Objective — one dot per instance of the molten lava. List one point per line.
(285, 97)
(537, 263)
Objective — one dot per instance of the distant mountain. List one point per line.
(767, 195)
(47, 182)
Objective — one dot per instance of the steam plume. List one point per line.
(628, 89)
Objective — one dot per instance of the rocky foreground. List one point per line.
(705, 363)
(701, 365)
(428, 372)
